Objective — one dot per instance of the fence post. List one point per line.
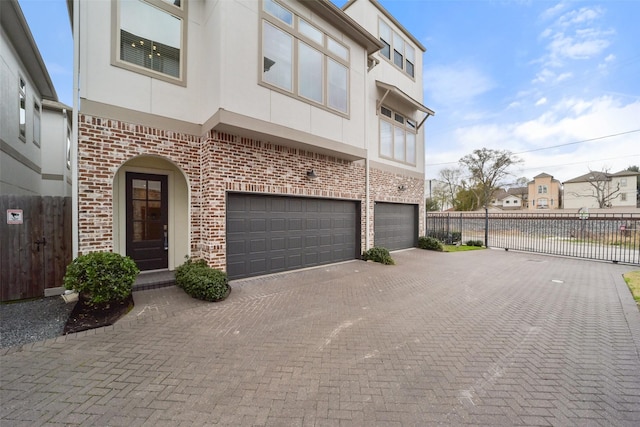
(486, 226)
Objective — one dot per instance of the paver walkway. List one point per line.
(480, 338)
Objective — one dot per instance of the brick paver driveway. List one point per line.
(486, 338)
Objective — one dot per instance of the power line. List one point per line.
(552, 146)
(579, 142)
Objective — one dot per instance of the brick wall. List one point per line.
(384, 187)
(215, 164)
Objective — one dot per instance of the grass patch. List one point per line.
(633, 281)
(461, 248)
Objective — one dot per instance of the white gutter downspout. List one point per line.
(74, 137)
(366, 163)
(367, 197)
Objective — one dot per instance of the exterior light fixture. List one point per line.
(401, 187)
(311, 174)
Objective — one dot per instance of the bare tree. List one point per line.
(452, 183)
(599, 188)
(487, 168)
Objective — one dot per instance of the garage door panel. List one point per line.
(273, 233)
(257, 205)
(294, 224)
(278, 224)
(395, 225)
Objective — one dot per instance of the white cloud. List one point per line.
(541, 101)
(580, 16)
(552, 12)
(456, 83)
(582, 44)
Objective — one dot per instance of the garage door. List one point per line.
(395, 225)
(268, 234)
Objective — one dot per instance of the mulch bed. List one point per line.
(86, 315)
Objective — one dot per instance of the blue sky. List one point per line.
(521, 75)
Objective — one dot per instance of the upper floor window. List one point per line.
(22, 102)
(36, 124)
(303, 61)
(396, 49)
(542, 189)
(150, 38)
(397, 136)
(623, 182)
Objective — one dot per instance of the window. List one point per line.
(277, 53)
(623, 197)
(623, 182)
(542, 203)
(302, 61)
(397, 137)
(542, 189)
(36, 124)
(22, 90)
(404, 55)
(151, 36)
(68, 148)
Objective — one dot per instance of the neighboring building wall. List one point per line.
(56, 131)
(512, 202)
(24, 84)
(628, 186)
(579, 195)
(544, 193)
(20, 164)
(622, 186)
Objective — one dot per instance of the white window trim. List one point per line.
(178, 12)
(298, 37)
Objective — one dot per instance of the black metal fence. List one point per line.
(601, 236)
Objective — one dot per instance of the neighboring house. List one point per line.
(602, 190)
(544, 192)
(261, 136)
(25, 138)
(510, 199)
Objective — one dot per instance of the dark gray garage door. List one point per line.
(395, 225)
(268, 234)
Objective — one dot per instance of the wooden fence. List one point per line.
(35, 244)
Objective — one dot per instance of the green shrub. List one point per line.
(102, 276)
(430, 243)
(202, 282)
(446, 237)
(478, 243)
(378, 254)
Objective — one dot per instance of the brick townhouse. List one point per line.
(262, 136)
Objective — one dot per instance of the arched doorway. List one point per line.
(151, 213)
